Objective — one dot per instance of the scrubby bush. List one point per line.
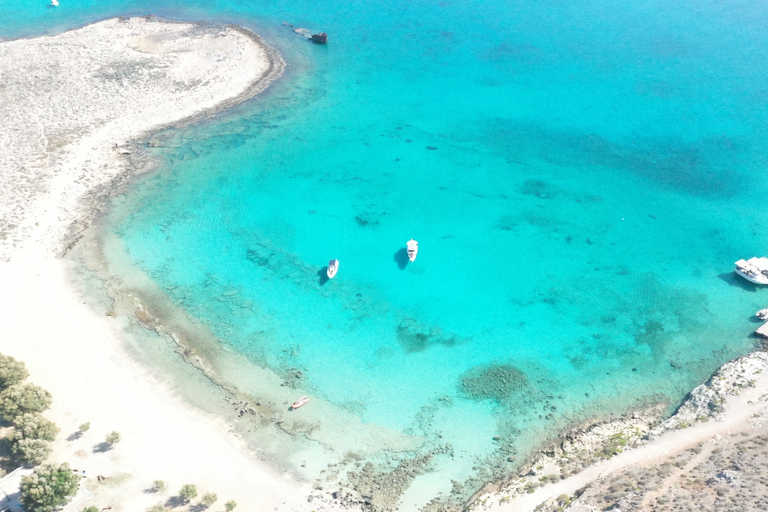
(48, 487)
(30, 438)
(230, 505)
(85, 427)
(158, 486)
(22, 398)
(11, 371)
(33, 425)
(90, 509)
(156, 508)
(31, 452)
(188, 492)
(113, 438)
(208, 499)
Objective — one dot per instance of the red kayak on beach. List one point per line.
(298, 403)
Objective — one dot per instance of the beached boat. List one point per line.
(333, 267)
(298, 403)
(754, 270)
(413, 249)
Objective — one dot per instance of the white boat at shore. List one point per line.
(754, 270)
(333, 267)
(413, 249)
(298, 403)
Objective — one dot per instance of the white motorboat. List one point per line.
(413, 249)
(54, 3)
(333, 267)
(754, 270)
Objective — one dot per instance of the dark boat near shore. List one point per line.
(319, 38)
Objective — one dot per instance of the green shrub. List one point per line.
(11, 371)
(31, 452)
(188, 492)
(113, 438)
(22, 398)
(48, 487)
(32, 425)
(208, 499)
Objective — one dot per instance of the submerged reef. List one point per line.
(497, 382)
(416, 337)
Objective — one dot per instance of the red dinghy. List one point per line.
(298, 403)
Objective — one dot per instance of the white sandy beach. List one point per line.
(79, 357)
(75, 100)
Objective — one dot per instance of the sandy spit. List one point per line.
(71, 104)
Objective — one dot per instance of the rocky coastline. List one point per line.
(736, 394)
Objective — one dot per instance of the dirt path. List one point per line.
(739, 410)
(672, 479)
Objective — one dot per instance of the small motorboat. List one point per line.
(298, 403)
(333, 267)
(54, 3)
(413, 249)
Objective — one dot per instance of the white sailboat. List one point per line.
(413, 249)
(333, 267)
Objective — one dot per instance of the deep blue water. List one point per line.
(580, 178)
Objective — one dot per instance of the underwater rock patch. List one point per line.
(415, 337)
(379, 490)
(259, 255)
(497, 382)
(367, 219)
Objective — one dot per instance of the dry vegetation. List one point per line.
(719, 475)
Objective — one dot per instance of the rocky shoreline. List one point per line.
(707, 406)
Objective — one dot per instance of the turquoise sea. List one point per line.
(580, 178)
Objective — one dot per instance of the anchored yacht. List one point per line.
(333, 267)
(413, 249)
(754, 270)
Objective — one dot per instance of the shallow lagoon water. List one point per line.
(580, 180)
